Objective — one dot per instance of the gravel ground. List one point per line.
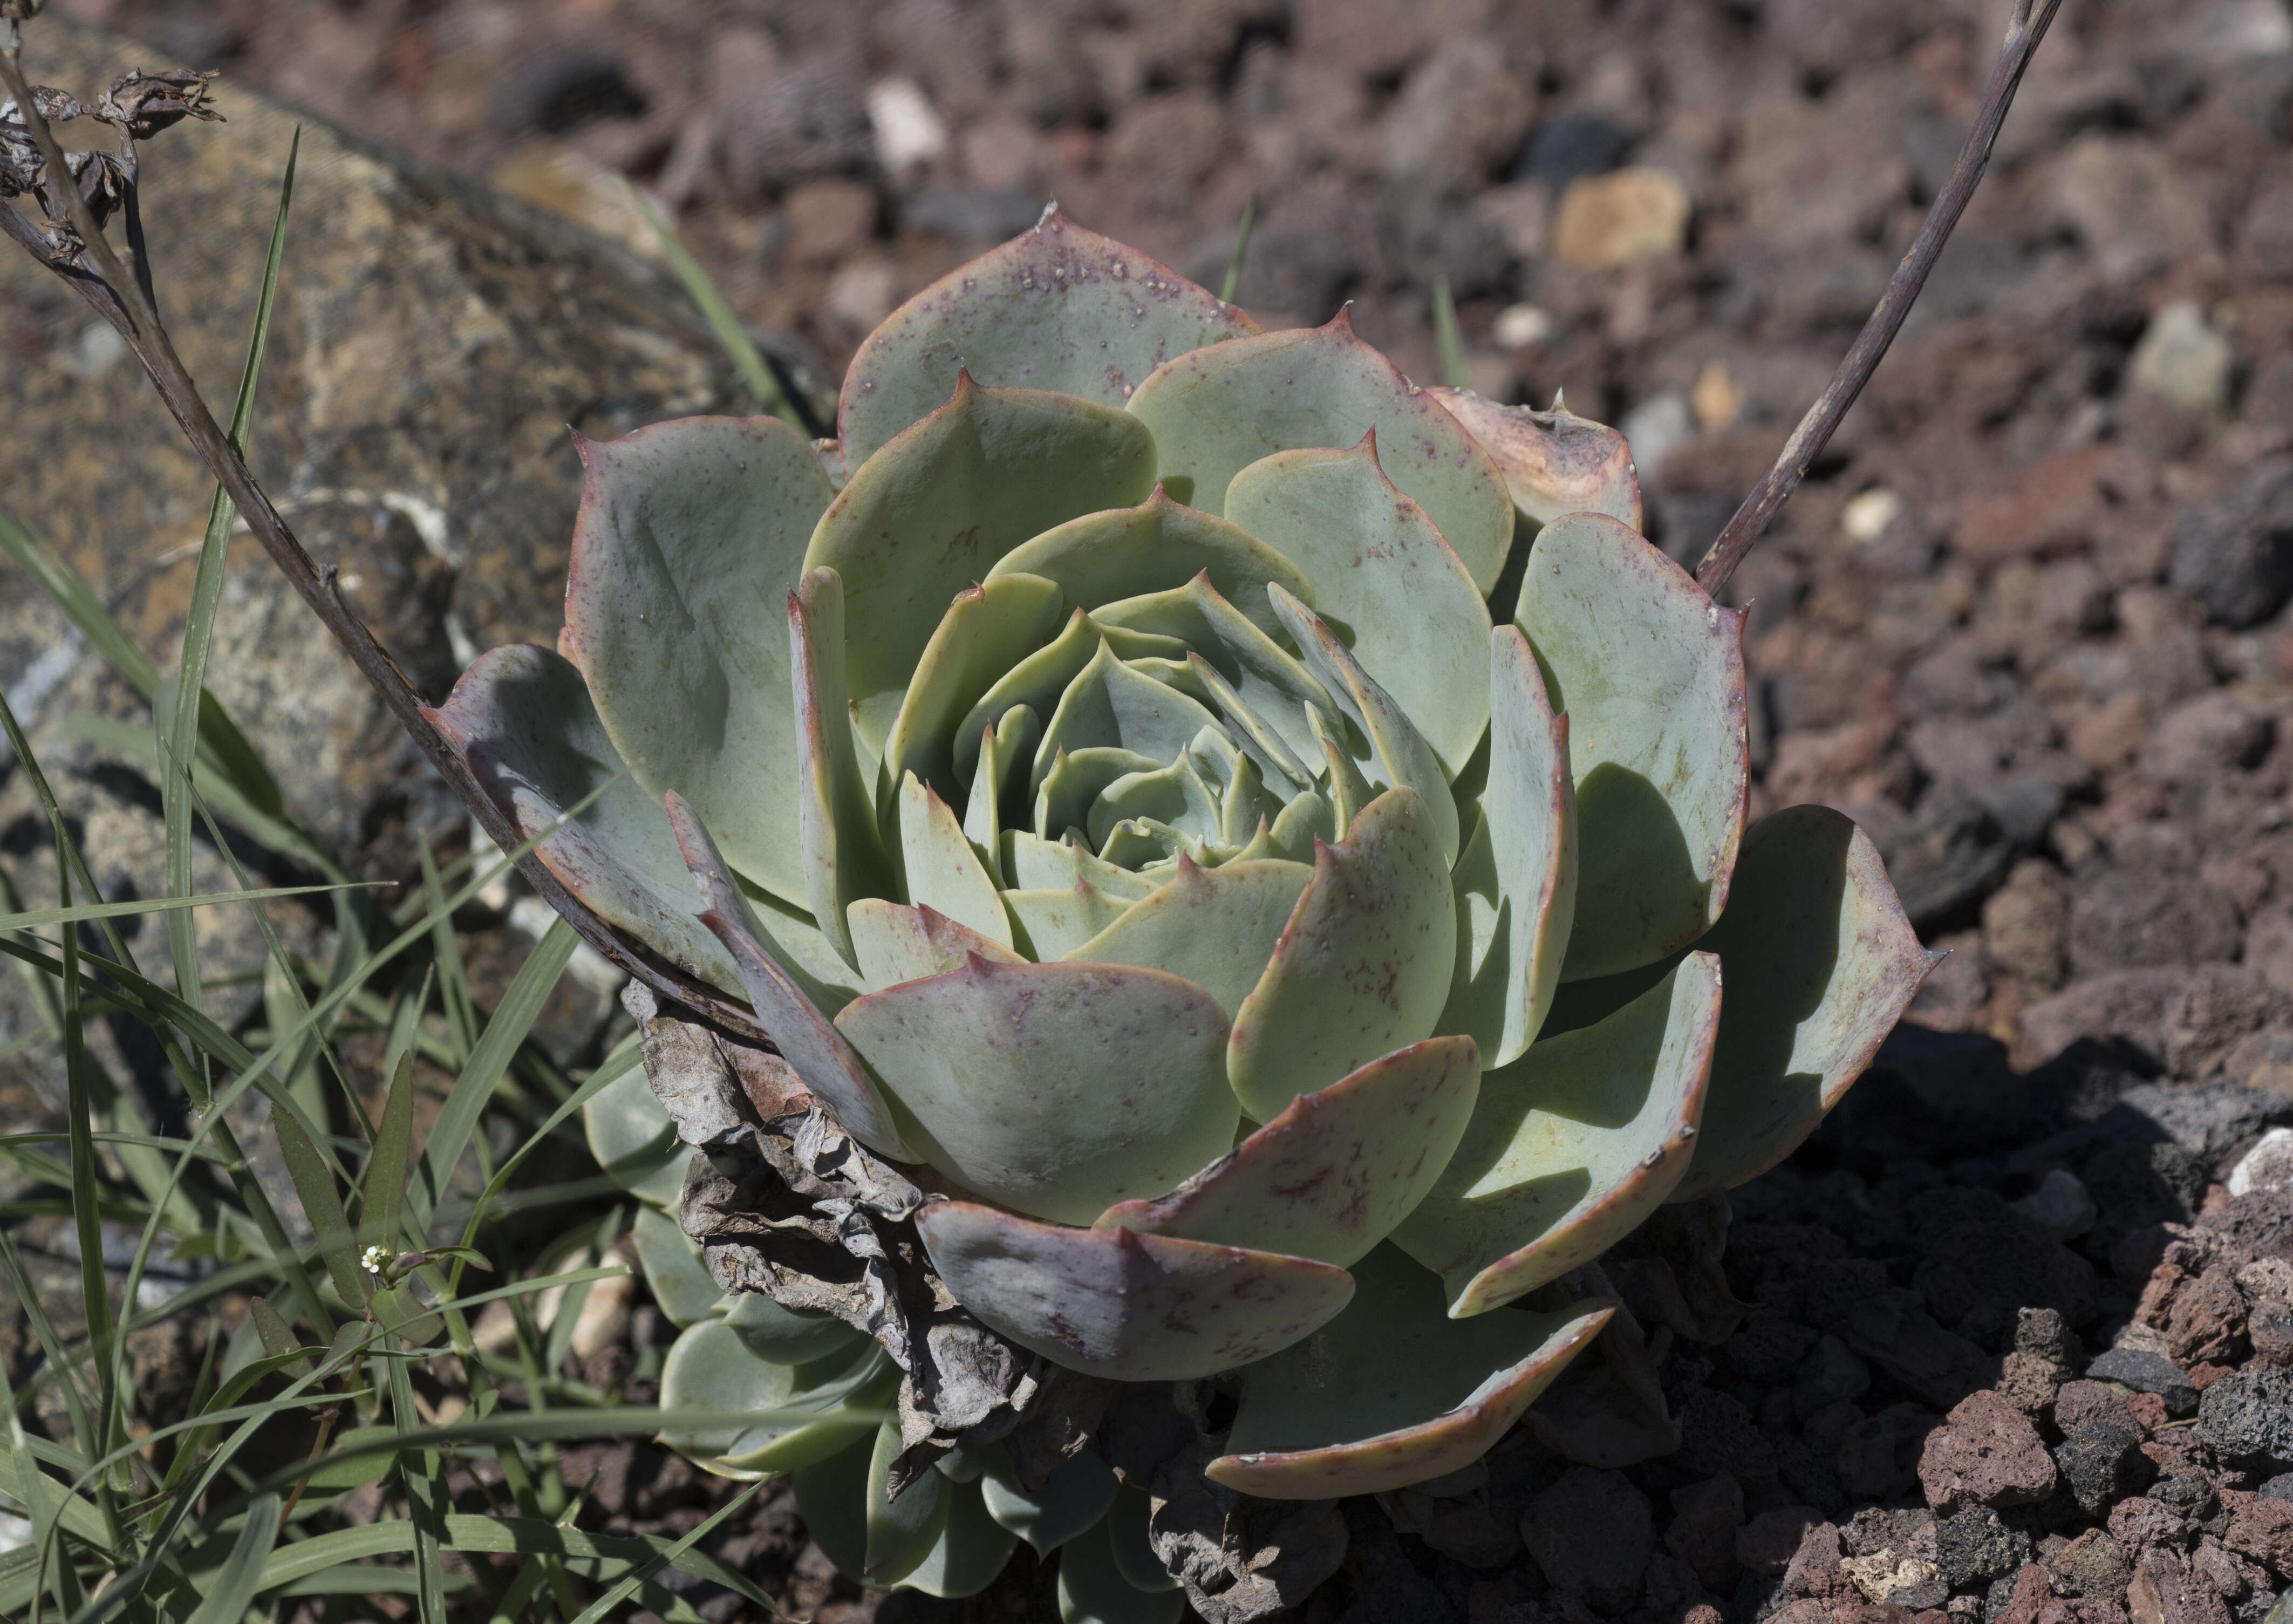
(2021, 1317)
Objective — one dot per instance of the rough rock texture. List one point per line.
(434, 343)
(1985, 1453)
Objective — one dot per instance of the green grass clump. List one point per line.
(202, 1514)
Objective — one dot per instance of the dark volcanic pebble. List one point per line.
(2147, 1372)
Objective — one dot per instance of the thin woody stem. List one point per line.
(120, 298)
(2027, 27)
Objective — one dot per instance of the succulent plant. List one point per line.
(1263, 840)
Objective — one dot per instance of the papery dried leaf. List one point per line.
(786, 1203)
(103, 181)
(144, 103)
(57, 106)
(1239, 1557)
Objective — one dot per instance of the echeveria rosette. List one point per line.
(1107, 783)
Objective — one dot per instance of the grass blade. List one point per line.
(180, 737)
(383, 1196)
(453, 978)
(426, 1496)
(29, 1487)
(85, 1188)
(1446, 336)
(597, 1612)
(1228, 288)
(234, 1590)
(223, 748)
(88, 912)
(322, 1204)
(141, 746)
(512, 1018)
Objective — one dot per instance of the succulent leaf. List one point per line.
(1820, 963)
(1332, 1173)
(1094, 1588)
(680, 1282)
(1178, 795)
(901, 1529)
(1036, 681)
(970, 1553)
(1128, 552)
(1554, 462)
(1368, 548)
(1572, 1146)
(1064, 794)
(523, 720)
(985, 630)
(1305, 820)
(1207, 630)
(842, 849)
(804, 1036)
(1058, 307)
(1004, 748)
(1075, 1498)
(944, 872)
(786, 1337)
(691, 536)
(925, 517)
(1126, 1537)
(807, 1413)
(1393, 1392)
(1217, 926)
(1363, 967)
(1055, 921)
(1349, 791)
(898, 943)
(832, 1496)
(1056, 1089)
(1216, 411)
(634, 1140)
(1111, 705)
(1399, 757)
(1129, 1307)
(1650, 672)
(1516, 880)
(1040, 865)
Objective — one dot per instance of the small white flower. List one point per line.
(374, 1259)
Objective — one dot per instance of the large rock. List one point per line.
(432, 345)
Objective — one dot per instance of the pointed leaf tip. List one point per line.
(1058, 308)
(1219, 409)
(1330, 1176)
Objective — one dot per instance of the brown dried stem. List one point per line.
(94, 270)
(2024, 30)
